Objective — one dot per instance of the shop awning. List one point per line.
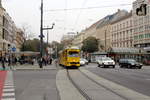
(99, 53)
(26, 53)
(125, 50)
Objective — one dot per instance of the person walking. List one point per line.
(50, 61)
(44, 61)
(3, 63)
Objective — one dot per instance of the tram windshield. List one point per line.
(73, 54)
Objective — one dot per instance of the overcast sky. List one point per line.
(28, 12)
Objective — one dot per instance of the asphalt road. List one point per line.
(135, 79)
(35, 85)
(41, 84)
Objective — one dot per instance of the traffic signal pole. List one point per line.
(41, 36)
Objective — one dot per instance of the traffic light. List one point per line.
(142, 10)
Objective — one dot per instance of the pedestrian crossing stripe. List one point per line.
(8, 89)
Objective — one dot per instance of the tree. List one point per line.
(90, 45)
(27, 35)
(56, 47)
(33, 45)
(27, 31)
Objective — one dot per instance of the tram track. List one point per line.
(78, 87)
(123, 97)
(84, 92)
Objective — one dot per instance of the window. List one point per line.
(73, 54)
(136, 37)
(130, 22)
(127, 24)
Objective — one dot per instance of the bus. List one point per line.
(70, 57)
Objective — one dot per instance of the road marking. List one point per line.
(148, 79)
(9, 86)
(66, 90)
(8, 89)
(8, 99)
(126, 92)
(8, 94)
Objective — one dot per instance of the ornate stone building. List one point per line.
(122, 32)
(8, 33)
(101, 30)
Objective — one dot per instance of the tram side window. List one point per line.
(73, 54)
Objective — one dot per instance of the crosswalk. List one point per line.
(8, 89)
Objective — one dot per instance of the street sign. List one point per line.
(142, 10)
(50, 50)
(13, 49)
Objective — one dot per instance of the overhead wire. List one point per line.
(82, 8)
(78, 16)
(66, 16)
(87, 8)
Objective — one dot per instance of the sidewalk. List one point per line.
(34, 67)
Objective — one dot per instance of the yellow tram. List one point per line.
(70, 57)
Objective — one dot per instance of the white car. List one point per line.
(86, 61)
(105, 62)
(83, 62)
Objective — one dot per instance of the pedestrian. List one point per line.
(3, 63)
(9, 61)
(40, 61)
(50, 61)
(15, 60)
(44, 61)
(33, 61)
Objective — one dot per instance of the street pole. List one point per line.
(56, 52)
(41, 36)
(0, 3)
(48, 28)
(105, 40)
(47, 37)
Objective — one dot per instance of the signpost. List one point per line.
(13, 49)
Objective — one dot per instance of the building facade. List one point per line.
(101, 30)
(19, 39)
(8, 33)
(1, 26)
(103, 35)
(67, 39)
(141, 25)
(122, 32)
(77, 41)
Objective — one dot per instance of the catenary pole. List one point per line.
(41, 36)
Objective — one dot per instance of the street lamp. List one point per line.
(48, 34)
(48, 28)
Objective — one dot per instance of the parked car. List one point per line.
(130, 63)
(83, 62)
(86, 61)
(105, 62)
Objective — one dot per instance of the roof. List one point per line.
(111, 18)
(72, 47)
(125, 50)
(122, 18)
(99, 53)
